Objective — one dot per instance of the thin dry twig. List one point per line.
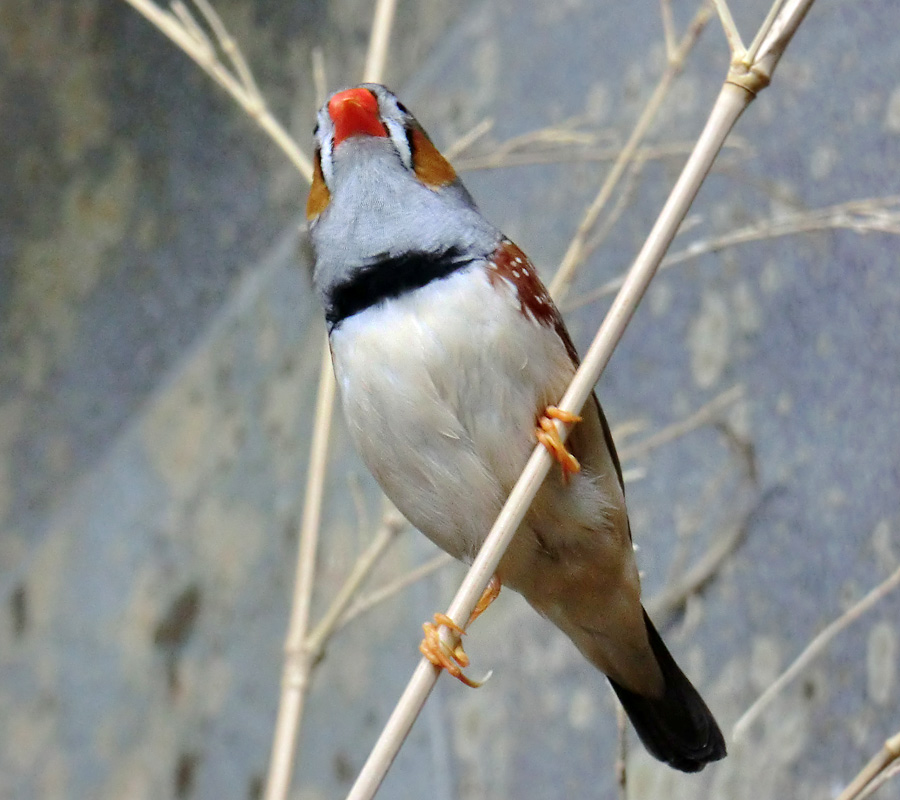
(235, 56)
(665, 11)
(673, 598)
(376, 56)
(750, 55)
(184, 31)
(392, 524)
(298, 663)
(181, 11)
(575, 254)
(815, 649)
(735, 43)
(469, 138)
(320, 81)
(707, 413)
(675, 595)
(869, 215)
(877, 772)
(561, 154)
(621, 750)
(367, 602)
(561, 134)
(626, 194)
(308, 649)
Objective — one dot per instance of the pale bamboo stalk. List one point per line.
(182, 29)
(731, 102)
(735, 43)
(298, 661)
(887, 774)
(750, 55)
(812, 650)
(882, 760)
(733, 99)
(188, 37)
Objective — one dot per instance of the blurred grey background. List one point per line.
(159, 347)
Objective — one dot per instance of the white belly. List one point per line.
(441, 389)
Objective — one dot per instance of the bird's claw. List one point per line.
(454, 659)
(451, 658)
(548, 436)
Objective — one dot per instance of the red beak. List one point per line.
(355, 113)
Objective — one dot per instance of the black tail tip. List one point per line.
(684, 735)
(677, 728)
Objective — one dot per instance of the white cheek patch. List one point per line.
(325, 137)
(400, 141)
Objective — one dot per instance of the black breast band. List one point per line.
(386, 277)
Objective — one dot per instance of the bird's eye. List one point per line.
(402, 107)
(316, 130)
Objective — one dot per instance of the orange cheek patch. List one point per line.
(319, 196)
(431, 167)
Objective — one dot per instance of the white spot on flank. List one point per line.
(515, 273)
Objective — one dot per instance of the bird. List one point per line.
(449, 356)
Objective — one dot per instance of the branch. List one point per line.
(870, 215)
(730, 104)
(184, 31)
(702, 416)
(500, 158)
(621, 750)
(576, 253)
(367, 602)
(376, 58)
(298, 663)
(813, 650)
(300, 657)
(875, 773)
(392, 524)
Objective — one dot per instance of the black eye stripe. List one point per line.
(402, 107)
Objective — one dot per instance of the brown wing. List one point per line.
(511, 264)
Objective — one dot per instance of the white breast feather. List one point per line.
(442, 387)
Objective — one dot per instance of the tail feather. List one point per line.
(677, 727)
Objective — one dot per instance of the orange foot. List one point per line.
(548, 436)
(454, 659)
